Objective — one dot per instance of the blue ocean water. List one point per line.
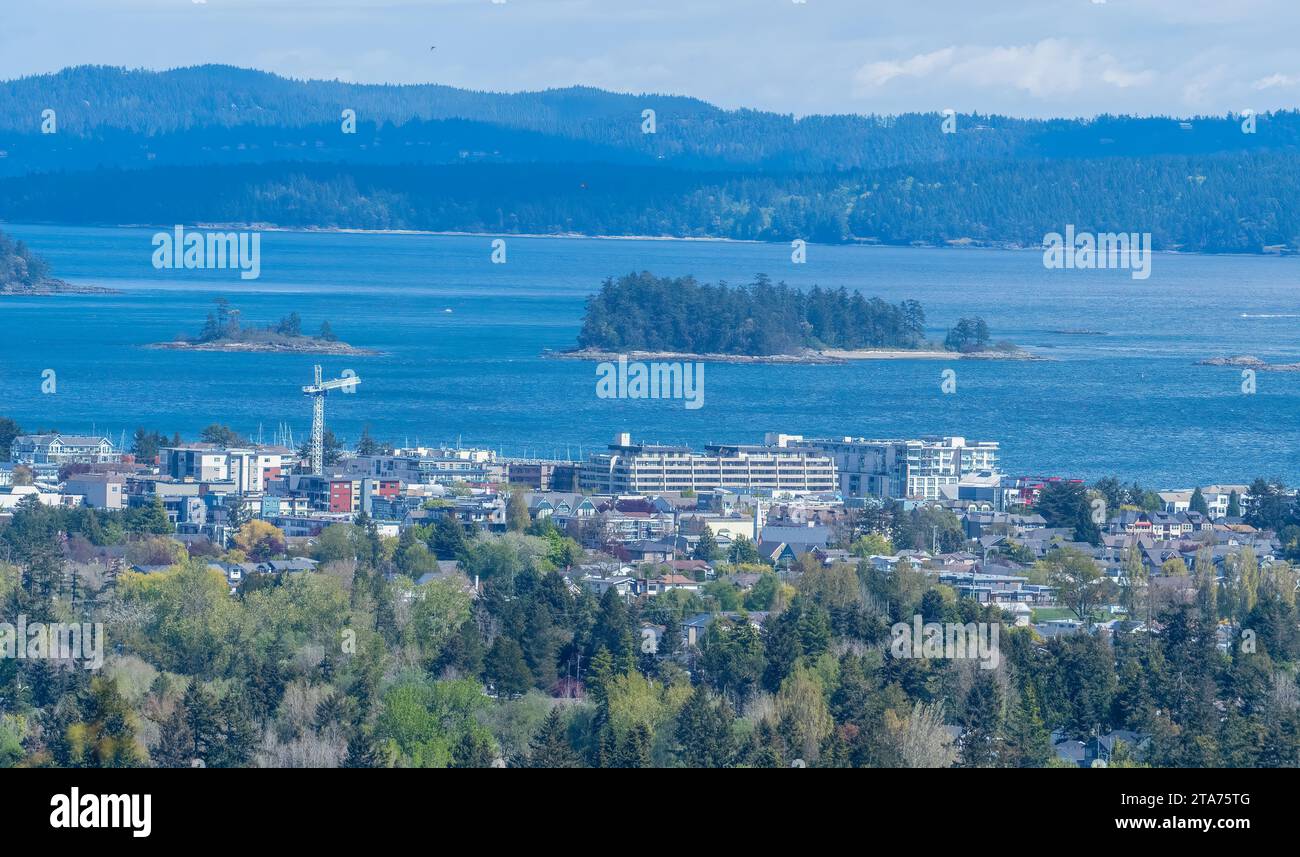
(1131, 403)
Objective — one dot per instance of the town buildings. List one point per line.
(648, 507)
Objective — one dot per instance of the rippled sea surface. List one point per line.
(462, 340)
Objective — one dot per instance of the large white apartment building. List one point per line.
(248, 468)
(899, 469)
(427, 465)
(635, 468)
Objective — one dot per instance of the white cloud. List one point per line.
(1002, 56)
(922, 65)
(1275, 80)
(1044, 69)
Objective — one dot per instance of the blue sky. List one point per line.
(1019, 57)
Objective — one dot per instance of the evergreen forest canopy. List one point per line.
(20, 268)
(642, 312)
(224, 325)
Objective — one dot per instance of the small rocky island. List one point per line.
(1248, 361)
(22, 272)
(224, 331)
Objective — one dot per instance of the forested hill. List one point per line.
(1227, 203)
(222, 144)
(116, 117)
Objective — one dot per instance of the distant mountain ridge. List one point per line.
(220, 144)
(138, 110)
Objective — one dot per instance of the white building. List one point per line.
(60, 449)
(635, 468)
(1216, 497)
(899, 469)
(427, 465)
(249, 468)
(98, 490)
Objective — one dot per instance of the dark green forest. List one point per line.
(1229, 203)
(642, 312)
(19, 267)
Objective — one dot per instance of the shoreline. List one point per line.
(952, 244)
(1247, 361)
(809, 358)
(53, 288)
(335, 349)
(928, 354)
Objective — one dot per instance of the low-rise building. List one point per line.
(60, 449)
(99, 490)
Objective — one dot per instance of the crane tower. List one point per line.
(317, 393)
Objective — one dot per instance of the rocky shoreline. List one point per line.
(47, 288)
(306, 347)
(1248, 361)
(807, 357)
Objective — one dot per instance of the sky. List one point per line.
(1016, 57)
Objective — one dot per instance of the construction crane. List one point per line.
(317, 393)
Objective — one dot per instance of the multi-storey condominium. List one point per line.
(428, 466)
(634, 468)
(249, 469)
(901, 469)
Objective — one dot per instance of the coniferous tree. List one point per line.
(1028, 742)
(236, 739)
(549, 747)
(201, 717)
(704, 731)
(706, 548)
(600, 673)
(175, 741)
(1197, 503)
(448, 540)
(506, 668)
(474, 750)
(765, 748)
(981, 722)
(363, 751)
(634, 749)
